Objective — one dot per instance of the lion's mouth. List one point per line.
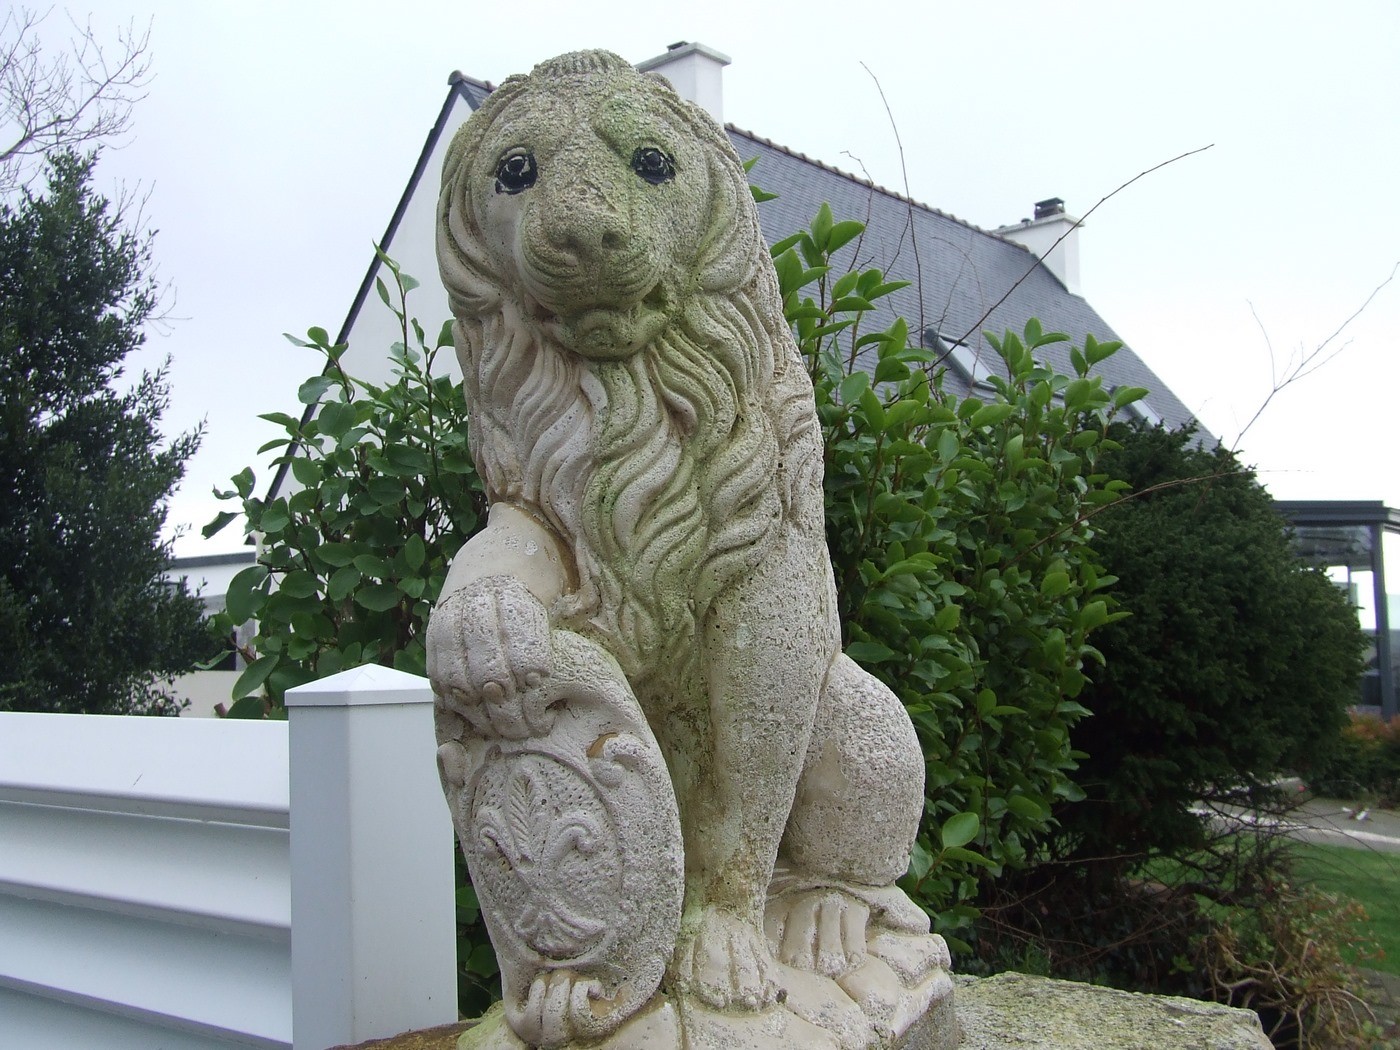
(611, 332)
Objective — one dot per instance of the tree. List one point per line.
(1238, 661)
(74, 100)
(86, 620)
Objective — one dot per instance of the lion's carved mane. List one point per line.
(668, 471)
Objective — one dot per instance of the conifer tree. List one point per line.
(87, 623)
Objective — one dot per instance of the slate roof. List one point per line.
(963, 271)
(959, 272)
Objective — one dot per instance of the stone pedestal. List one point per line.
(1012, 1010)
(1007, 1012)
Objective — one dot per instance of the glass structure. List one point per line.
(1358, 545)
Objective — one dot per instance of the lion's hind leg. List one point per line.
(861, 794)
(858, 806)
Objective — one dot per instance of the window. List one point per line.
(973, 365)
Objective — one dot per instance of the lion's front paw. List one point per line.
(488, 654)
(725, 963)
(822, 930)
(562, 1006)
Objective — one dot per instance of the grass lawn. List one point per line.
(1366, 876)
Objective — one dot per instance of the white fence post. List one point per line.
(373, 915)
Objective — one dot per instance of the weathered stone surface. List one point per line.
(1012, 1011)
(683, 808)
(1007, 1012)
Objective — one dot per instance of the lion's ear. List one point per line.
(659, 79)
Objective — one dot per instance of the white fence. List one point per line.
(172, 884)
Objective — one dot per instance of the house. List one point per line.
(964, 280)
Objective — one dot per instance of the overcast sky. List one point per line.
(277, 138)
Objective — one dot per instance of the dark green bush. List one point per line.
(1237, 663)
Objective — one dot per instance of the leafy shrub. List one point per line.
(965, 573)
(1237, 662)
(350, 563)
(1366, 762)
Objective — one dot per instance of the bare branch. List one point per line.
(1101, 201)
(1309, 362)
(70, 98)
(908, 199)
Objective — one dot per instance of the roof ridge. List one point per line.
(869, 184)
(458, 77)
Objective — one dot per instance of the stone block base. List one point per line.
(1012, 1010)
(1007, 1012)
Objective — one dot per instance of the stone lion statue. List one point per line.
(681, 804)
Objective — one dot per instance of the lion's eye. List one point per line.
(516, 172)
(653, 165)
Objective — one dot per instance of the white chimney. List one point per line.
(694, 71)
(1041, 234)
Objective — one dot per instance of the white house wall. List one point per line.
(373, 329)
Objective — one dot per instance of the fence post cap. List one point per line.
(361, 686)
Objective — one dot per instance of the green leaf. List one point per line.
(245, 592)
(821, 227)
(306, 471)
(869, 652)
(254, 675)
(298, 584)
(853, 386)
(1027, 808)
(215, 526)
(989, 415)
(966, 856)
(959, 830)
(415, 552)
(842, 233)
(873, 409)
(1126, 395)
(342, 582)
(378, 597)
(373, 565)
(313, 389)
(335, 418)
(920, 860)
(335, 554)
(247, 707)
(243, 482)
(290, 423)
(482, 960)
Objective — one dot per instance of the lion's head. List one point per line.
(598, 200)
(626, 364)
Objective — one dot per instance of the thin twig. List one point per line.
(1078, 223)
(1309, 362)
(908, 197)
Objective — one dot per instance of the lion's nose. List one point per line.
(584, 222)
(587, 233)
